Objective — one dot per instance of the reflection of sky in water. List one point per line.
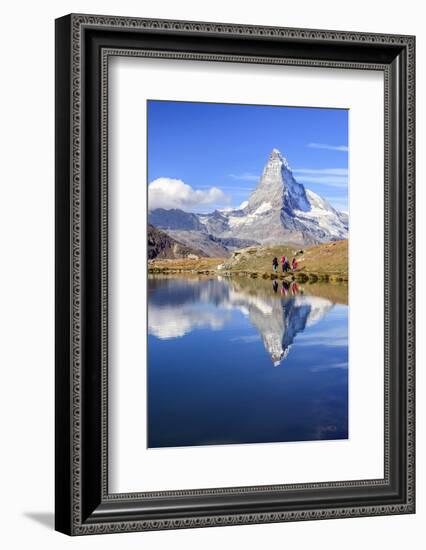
(212, 348)
(172, 322)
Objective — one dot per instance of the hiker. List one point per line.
(294, 264)
(283, 262)
(275, 264)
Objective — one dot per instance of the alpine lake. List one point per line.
(236, 360)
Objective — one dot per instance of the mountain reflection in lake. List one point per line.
(245, 361)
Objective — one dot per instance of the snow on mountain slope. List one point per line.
(279, 211)
(264, 209)
(324, 216)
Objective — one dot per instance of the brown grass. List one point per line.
(330, 259)
(324, 262)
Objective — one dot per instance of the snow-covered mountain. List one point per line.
(279, 211)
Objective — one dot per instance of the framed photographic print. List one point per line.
(234, 274)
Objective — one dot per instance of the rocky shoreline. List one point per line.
(298, 276)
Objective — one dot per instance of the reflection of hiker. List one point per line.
(284, 289)
(275, 285)
(294, 264)
(294, 288)
(275, 264)
(283, 263)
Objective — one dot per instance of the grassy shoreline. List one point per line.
(323, 263)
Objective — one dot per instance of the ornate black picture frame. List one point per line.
(84, 44)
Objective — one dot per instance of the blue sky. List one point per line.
(219, 151)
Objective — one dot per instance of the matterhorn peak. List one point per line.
(278, 188)
(277, 156)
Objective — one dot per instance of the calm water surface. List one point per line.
(245, 361)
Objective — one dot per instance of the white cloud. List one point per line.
(342, 365)
(174, 322)
(335, 177)
(328, 171)
(173, 193)
(245, 176)
(247, 339)
(329, 147)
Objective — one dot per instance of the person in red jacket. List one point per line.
(294, 264)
